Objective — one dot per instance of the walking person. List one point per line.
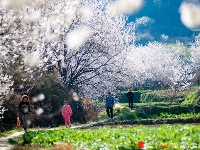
(130, 96)
(66, 113)
(109, 105)
(24, 109)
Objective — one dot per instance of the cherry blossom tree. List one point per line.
(87, 43)
(75, 37)
(90, 61)
(5, 83)
(158, 62)
(21, 44)
(195, 49)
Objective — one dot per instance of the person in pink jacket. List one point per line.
(66, 113)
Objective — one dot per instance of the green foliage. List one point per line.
(16, 140)
(126, 114)
(157, 110)
(176, 136)
(152, 97)
(169, 115)
(156, 104)
(144, 111)
(153, 110)
(117, 111)
(148, 96)
(123, 99)
(192, 98)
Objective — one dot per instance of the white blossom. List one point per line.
(77, 37)
(32, 59)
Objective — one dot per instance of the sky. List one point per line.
(164, 19)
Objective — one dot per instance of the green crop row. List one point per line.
(169, 115)
(171, 136)
(150, 113)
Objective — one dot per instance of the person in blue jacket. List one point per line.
(109, 105)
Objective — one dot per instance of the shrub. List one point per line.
(193, 98)
(126, 114)
(123, 99)
(146, 111)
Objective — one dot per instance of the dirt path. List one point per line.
(4, 145)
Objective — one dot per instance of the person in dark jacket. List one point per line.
(24, 109)
(130, 96)
(109, 105)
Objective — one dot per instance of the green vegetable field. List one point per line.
(119, 137)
